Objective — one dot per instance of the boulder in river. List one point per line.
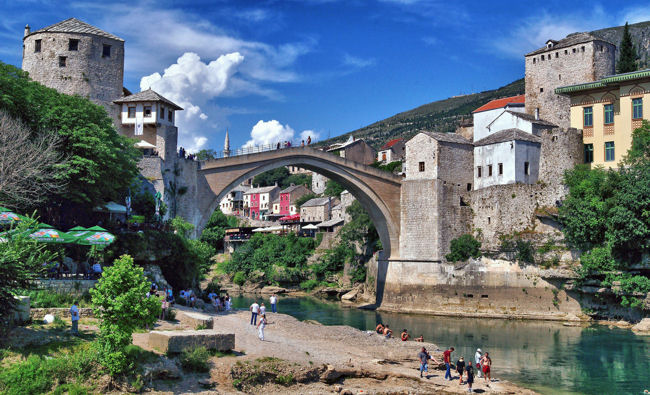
(643, 326)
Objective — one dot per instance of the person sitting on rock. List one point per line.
(388, 333)
(405, 335)
(420, 339)
(380, 328)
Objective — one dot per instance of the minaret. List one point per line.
(226, 146)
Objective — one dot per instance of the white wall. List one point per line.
(139, 108)
(513, 155)
(509, 121)
(484, 118)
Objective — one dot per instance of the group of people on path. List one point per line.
(482, 364)
(260, 310)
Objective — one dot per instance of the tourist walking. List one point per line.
(460, 368)
(424, 357)
(274, 303)
(487, 365)
(477, 360)
(447, 359)
(74, 317)
(261, 326)
(470, 376)
(255, 309)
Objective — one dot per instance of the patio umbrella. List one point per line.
(77, 231)
(96, 235)
(45, 233)
(8, 217)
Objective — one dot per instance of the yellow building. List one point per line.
(607, 111)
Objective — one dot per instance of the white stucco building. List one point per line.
(486, 114)
(233, 202)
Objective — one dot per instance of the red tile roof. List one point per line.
(390, 143)
(500, 103)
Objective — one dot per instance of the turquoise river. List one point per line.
(544, 356)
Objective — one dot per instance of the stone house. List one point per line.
(608, 111)
(316, 210)
(392, 151)
(318, 183)
(575, 59)
(356, 150)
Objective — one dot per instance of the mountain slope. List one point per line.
(445, 115)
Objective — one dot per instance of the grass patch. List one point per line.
(196, 359)
(47, 299)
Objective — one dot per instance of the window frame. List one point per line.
(128, 111)
(38, 45)
(104, 52)
(500, 167)
(609, 111)
(144, 111)
(610, 147)
(479, 171)
(63, 61)
(421, 167)
(74, 41)
(591, 117)
(527, 168)
(170, 115)
(637, 103)
(588, 153)
(489, 170)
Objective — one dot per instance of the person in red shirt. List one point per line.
(405, 335)
(447, 359)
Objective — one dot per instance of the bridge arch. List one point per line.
(377, 191)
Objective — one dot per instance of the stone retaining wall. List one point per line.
(72, 287)
(62, 312)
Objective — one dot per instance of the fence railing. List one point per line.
(255, 149)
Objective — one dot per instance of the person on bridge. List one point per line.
(278, 146)
(405, 335)
(308, 140)
(302, 144)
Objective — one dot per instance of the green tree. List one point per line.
(627, 59)
(297, 179)
(144, 203)
(182, 227)
(271, 177)
(333, 188)
(206, 154)
(21, 263)
(100, 165)
(120, 301)
(215, 230)
(464, 247)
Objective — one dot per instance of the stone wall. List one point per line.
(71, 287)
(584, 62)
(318, 183)
(86, 72)
(483, 288)
(61, 312)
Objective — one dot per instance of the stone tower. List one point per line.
(226, 146)
(577, 58)
(76, 58)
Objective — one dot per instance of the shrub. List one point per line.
(182, 227)
(597, 261)
(464, 247)
(310, 284)
(195, 359)
(46, 299)
(239, 278)
(170, 315)
(119, 297)
(525, 251)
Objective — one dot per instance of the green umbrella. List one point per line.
(45, 233)
(8, 217)
(77, 231)
(96, 238)
(97, 229)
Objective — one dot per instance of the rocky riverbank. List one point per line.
(305, 357)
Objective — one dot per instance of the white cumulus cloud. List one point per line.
(192, 83)
(273, 132)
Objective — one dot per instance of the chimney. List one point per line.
(537, 114)
(27, 31)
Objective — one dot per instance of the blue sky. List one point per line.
(270, 70)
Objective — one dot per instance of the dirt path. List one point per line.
(369, 363)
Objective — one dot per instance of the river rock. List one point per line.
(194, 319)
(643, 326)
(350, 296)
(270, 289)
(154, 273)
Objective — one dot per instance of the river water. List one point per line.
(544, 356)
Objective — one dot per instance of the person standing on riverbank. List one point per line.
(460, 368)
(487, 366)
(470, 376)
(477, 360)
(274, 303)
(261, 326)
(255, 309)
(262, 309)
(447, 359)
(424, 357)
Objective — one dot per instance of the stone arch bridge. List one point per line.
(377, 191)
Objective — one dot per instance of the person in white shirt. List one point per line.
(255, 309)
(477, 359)
(260, 327)
(262, 309)
(274, 302)
(74, 317)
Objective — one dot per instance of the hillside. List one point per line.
(439, 116)
(445, 115)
